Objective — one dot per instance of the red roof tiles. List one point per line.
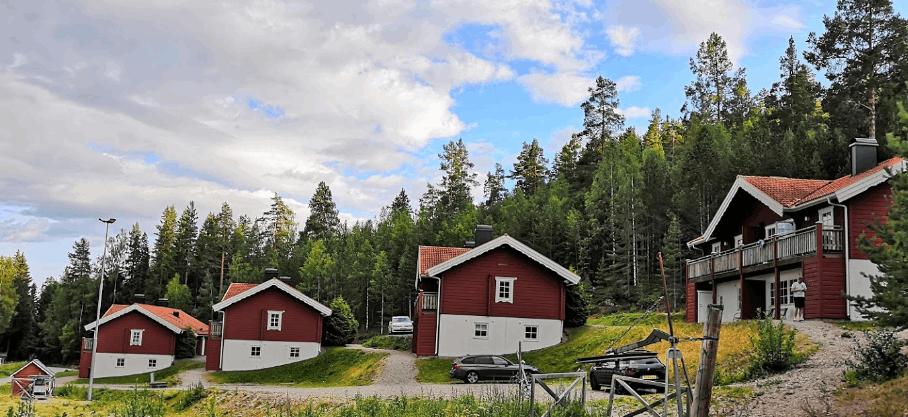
(237, 288)
(430, 256)
(181, 319)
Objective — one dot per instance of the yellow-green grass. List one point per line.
(886, 399)
(333, 368)
(169, 375)
(434, 370)
(68, 372)
(10, 367)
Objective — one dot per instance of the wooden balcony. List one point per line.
(217, 328)
(765, 254)
(430, 301)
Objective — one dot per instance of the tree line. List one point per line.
(604, 205)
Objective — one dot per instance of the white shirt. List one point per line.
(798, 289)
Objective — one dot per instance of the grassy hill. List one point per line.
(335, 367)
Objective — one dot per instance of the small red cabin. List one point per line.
(23, 379)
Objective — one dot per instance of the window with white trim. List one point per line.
(121, 362)
(275, 319)
(135, 337)
(504, 289)
(255, 351)
(294, 352)
(826, 217)
(717, 247)
(152, 363)
(531, 332)
(481, 330)
(770, 230)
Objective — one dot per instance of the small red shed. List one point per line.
(23, 379)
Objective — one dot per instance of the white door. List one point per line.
(739, 241)
(704, 299)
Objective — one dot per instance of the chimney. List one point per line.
(482, 234)
(269, 273)
(863, 155)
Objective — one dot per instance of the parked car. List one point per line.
(648, 367)
(400, 324)
(474, 368)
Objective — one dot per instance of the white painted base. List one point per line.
(134, 363)
(859, 271)
(237, 354)
(457, 337)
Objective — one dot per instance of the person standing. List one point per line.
(798, 292)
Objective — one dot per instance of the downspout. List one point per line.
(223, 333)
(847, 256)
(437, 316)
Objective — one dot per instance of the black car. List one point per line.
(648, 367)
(472, 369)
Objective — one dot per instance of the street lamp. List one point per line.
(94, 341)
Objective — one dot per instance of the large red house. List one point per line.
(264, 325)
(486, 299)
(769, 231)
(137, 338)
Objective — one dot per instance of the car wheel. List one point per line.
(472, 377)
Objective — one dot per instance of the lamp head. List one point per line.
(108, 221)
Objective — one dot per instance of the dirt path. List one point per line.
(809, 383)
(399, 368)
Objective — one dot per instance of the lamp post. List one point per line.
(94, 341)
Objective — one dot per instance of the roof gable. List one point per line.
(272, 283)
(236, 288)
(429, 256)
(37, 363)
(162, 315)
(515, 244)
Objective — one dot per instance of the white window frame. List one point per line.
(152, 363)
(135, 337)
(716, 247)
(526, 332)
(252, 350)
(280, 320)
(121, 362)
(510, 281)
(827, 210)
(480, 326)
(296, 350)
(767, 230)
(739, 241)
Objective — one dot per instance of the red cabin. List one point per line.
(487, 299)
(23, 379)
(264, 325)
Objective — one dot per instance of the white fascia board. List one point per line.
(563, 272)
(135, 307)
(740, 184)
(274, 283)
(418, 264)
(873, 180)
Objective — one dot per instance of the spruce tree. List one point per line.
(530, 171)
(323, 222)
(137, 264)
(20, 339)
(494, 188)
(9, 297)
(184, 243)
(163, 256)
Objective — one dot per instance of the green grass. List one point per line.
(401, 343)
(10, 367)
(335, 367)
(168, 375)
(627, 319)
(855, 326)
(434, 371)
(68, 372)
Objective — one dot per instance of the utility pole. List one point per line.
(221, 287)
(94, 342)
(707, 369)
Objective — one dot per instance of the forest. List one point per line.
(604, 205)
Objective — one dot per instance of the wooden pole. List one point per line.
(707, 368)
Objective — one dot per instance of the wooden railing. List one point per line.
(217, 328)
(794, 245)
(87, 343)
(430, 301)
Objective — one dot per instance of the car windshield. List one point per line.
(400, 319)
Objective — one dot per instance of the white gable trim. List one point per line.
(563, 272)
(37, 363)
(274, 283)
(135, 307)
(877, 178)
(740, 184)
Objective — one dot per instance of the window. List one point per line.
(497, 360)
(483, 360)
(152, 363)
(504, 290)
(784, 296)
(826, 217)
(294, 352)
(717, 247)
(255, 351)
(481, 330)
(739, 241)
(121, 362)
(770, 231)
(275, 319)
(135, 337)
(531, 332)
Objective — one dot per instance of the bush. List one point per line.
(773, 348)
(340, 326)
(401, 343)
(877, 360)
(188, 397)
(186, 345)
(141, 403)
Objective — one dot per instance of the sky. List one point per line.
(118, 108)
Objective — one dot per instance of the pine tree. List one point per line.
(178, 294)
(672, 253)
(163, 256)
(458, 177)
(530, 171)
(717, 91)
(279, 228)
(323, 222)
(493, 188)
(601, 120)
(137, 264)
(184, 244)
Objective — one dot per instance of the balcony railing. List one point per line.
(430, 301)
(794, 245)
(87, 343)
(217, 328)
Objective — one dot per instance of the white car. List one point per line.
(400, 324)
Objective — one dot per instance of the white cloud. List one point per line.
(566, 89)
(623, 39)
(628, 83)
(635, 112)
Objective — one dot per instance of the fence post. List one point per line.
(707, 368)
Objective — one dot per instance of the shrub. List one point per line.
(401, 343)
(877, 360)
(773, 348)
(141, 403)
(188, 397)
(340, 326)
(186, 345)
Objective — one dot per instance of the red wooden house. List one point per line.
(486, 299)
(769, 231)
(137, 338)
(264, 325)
(22, 380)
